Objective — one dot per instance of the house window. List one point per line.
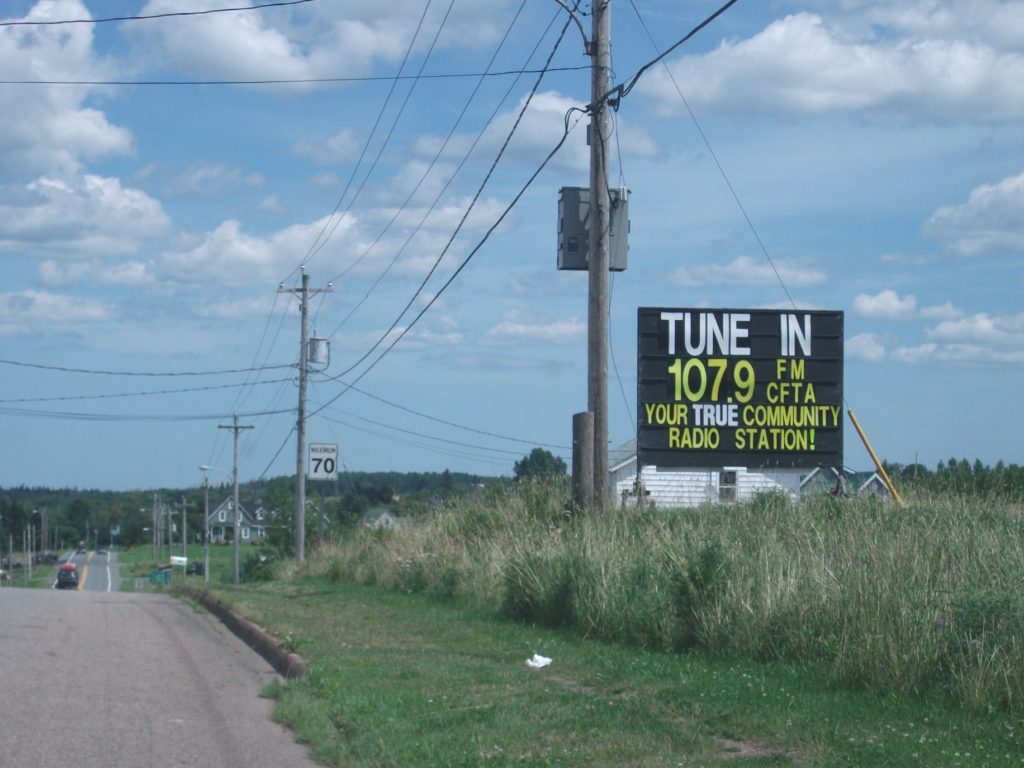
(245, 533)
(223, 516)
(727, 485)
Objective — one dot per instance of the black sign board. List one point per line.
(739, 388)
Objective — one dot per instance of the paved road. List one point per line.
(97, 679)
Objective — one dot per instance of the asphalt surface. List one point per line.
(98, 679)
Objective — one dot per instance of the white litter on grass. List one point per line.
(538, 661)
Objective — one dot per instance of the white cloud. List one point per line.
(213, 180)
(54, 273)
(979, 338)
(50, 307)
(271, 204)
(229, 255)
(518, 326)
(956, 353)
(339, 148)
(998, 23)
(942, 312)
(1001, 330)
(745, 270)
(321, 40)
(128, 273)
(47, 129)
(802, 65)
(325, 180)
(234, 309)
(79, 216)
(885, 305)
(990, 222)
(865, 346)
(537, 134)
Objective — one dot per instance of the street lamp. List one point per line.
(206, 520)
(31, 543)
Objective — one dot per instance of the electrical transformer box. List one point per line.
(574, 228)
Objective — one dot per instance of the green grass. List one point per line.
(406, 680)
(138, 562)
(829, 632)
(919, 599)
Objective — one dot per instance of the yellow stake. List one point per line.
(874, 458)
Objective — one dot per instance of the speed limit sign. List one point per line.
(323, 461)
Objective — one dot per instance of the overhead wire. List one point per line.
(120, 417)
(448, 182)
(100, 372)
(458, 229)
(447, 423)
(703, 136)
(148, 17)
(132, 394)
(458, 270)
(433, 449)
(334, 221)
(298, 80)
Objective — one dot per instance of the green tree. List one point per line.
(539, 463)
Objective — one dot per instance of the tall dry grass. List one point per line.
(897, 600)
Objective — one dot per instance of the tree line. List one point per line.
(960, 476)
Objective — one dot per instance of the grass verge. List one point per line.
(406, 680)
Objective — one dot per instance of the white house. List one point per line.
(691, 487)
(221, 523)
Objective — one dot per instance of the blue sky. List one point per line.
(145, 227)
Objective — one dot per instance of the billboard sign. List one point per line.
(739, 388)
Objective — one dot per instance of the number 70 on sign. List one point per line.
(323, 461)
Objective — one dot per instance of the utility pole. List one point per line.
(599, 248)
(234, 482)
(300, 424)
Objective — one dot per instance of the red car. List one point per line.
(67, 576)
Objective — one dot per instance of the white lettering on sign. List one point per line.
(791, 333)
(706, 332)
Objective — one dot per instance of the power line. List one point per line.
(428, 437)
(623, 90)
(117, 417)
(437, 420)
(65, 369)
(451, 177)
(433, 449)
(455, 274)
(298, 80)
(166, 15)
(711, 151)
(394, 125)
(136, 394)
(462, 221)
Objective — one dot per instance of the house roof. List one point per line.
(624, 454)
(246, 518)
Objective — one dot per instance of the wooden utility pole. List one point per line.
(300, 424)
(234, 490)
(599, 249)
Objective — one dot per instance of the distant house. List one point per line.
(252, 526)
(382, 517)
(826, 480)
(692, 487)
